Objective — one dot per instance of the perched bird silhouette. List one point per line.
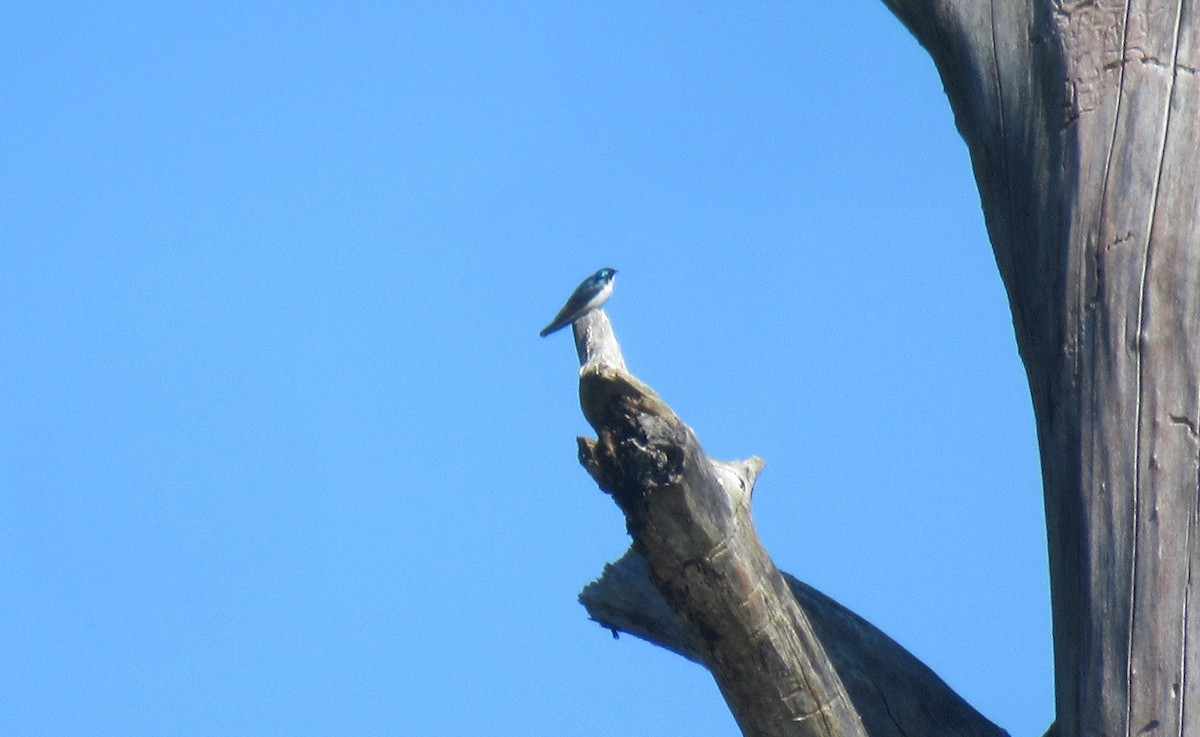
(593, 292)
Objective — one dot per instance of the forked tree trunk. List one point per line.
(1083, 124)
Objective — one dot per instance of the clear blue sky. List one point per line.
(282, 454)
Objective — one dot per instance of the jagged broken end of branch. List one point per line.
(623, 599)
(892, 691)
(738, 478)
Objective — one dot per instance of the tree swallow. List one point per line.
(593, 292)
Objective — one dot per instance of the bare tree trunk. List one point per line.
(1083, 122)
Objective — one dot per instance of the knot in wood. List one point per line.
(652, 465)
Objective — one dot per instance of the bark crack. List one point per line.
(1187, 592)
(1193, 523)
(1139, 349)
(1005, 153)
(1188, 423)
(1108, 158)
(888, 708)
(1100, 240)
(1000, 101)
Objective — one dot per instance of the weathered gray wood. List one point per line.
(894, 693)
(789, 660)
(690, 519)
(1083, 123)
(595, 342)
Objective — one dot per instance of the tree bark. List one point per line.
(1083, 124)
(788, 660)
(1082, 118)
(895, 694)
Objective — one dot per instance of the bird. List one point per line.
(593, 292)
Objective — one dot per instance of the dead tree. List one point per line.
(1083, 124)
